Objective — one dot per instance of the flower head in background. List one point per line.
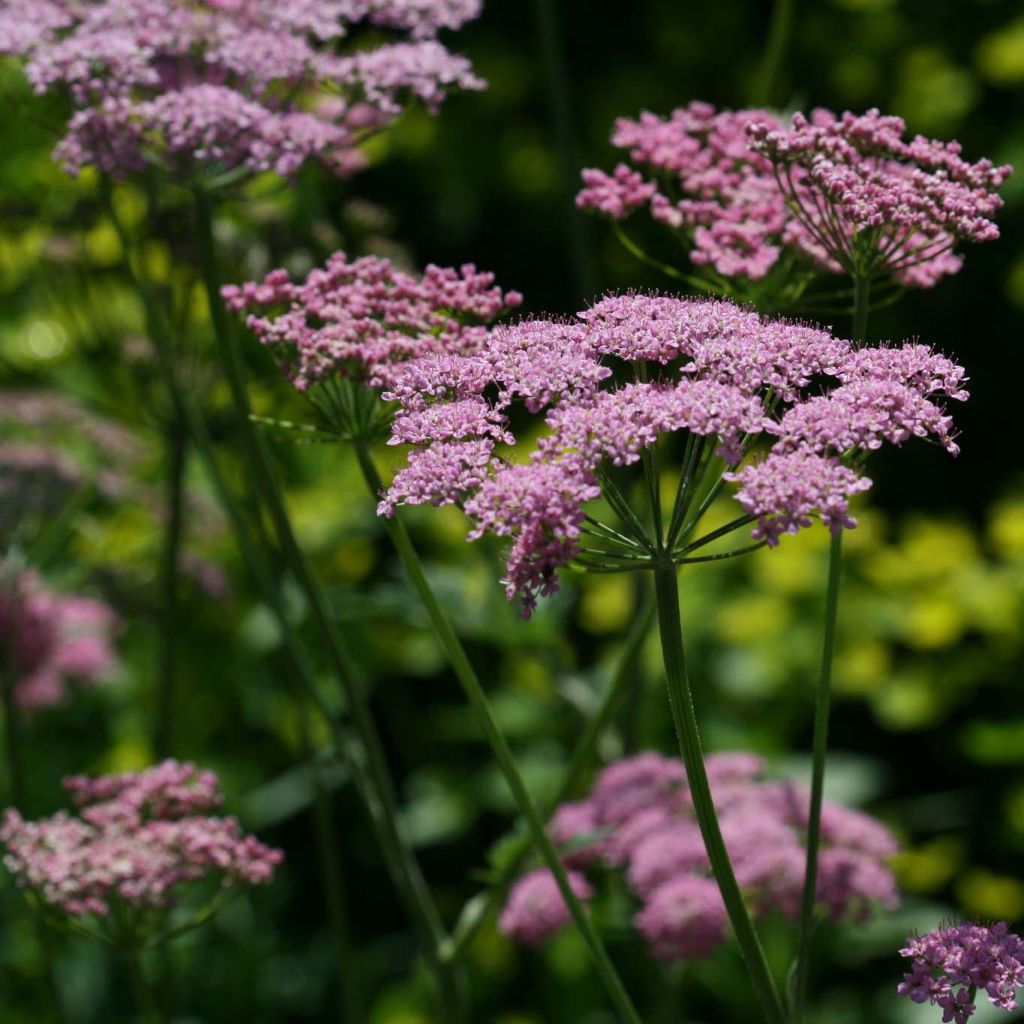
(837, 194)
(639, 818)
(364, 319)
(136, 844)
(48, 639)
(627, 374)
(259, 85)
(951, 966)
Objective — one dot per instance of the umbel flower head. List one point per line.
(363, 319)
(48, 639)
(837, 193)
(136, 844)
(258, 85)
(627, 374)
(950, 966)
(639, 819)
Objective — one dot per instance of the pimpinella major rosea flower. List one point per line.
(48, 639)
(361, 320)
(788, 411)
(639, 819)
(950, 967)
(233, 84)
(747, 197)
(137, 844)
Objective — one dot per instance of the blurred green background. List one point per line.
(928, 730)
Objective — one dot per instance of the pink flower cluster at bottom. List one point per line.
(138, 838)
(950, 965)
(639, 818)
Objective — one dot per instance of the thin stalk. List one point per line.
(474, 691)
(419, 901)
(623, 683)
(684, 717)
(349, 1010)
(820, 750)
(801, 970)
(170, 568)
(12, 746)
(560, 98)
(365, 757)
(146, 1000)
(778, 40)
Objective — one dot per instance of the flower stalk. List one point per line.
(801, 970)
(474, 691)
(666, 587)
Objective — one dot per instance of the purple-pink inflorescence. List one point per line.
(843, 192)
(258, 85)
(137, 840)
(363, 318)
(639, 817)
(710, 368)
(536, 910)
(951, 966)
(48, 639)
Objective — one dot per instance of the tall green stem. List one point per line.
(418, 899)
(177, 452)
(778, 40)
(822, 704)
(467, 677)
(368, 770)
(684, 717)
(820, 750)
(146, 1000)
(623, 684)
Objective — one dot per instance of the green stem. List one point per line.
(12, 746)
(801, 970)
(623, 684)
(177, 457)
(681, 702)
(146, 1000)
(778, 40)
(467, 677)
(368, 770)
(820, 750)
(861, 306)
(418, 899)
(349, 1009)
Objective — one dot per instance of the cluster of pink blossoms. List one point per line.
(712, 368)
(363, 318)
(47, 639)
(950, 965)
(137, 839)
(639, 819)
(253, 84)
(846, 192)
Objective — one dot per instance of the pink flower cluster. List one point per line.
(258, 84)
(949, 965)
(137, 839)
(362, 318)
(47, 638)
(847, 193)
(711, 368)
(639, 819)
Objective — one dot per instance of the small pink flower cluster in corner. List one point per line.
(362, 318)
(138, 838)
(752, 190)
(47, 639)
(949, 965)
(715, 369)
(639, 819)
(258, 84)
